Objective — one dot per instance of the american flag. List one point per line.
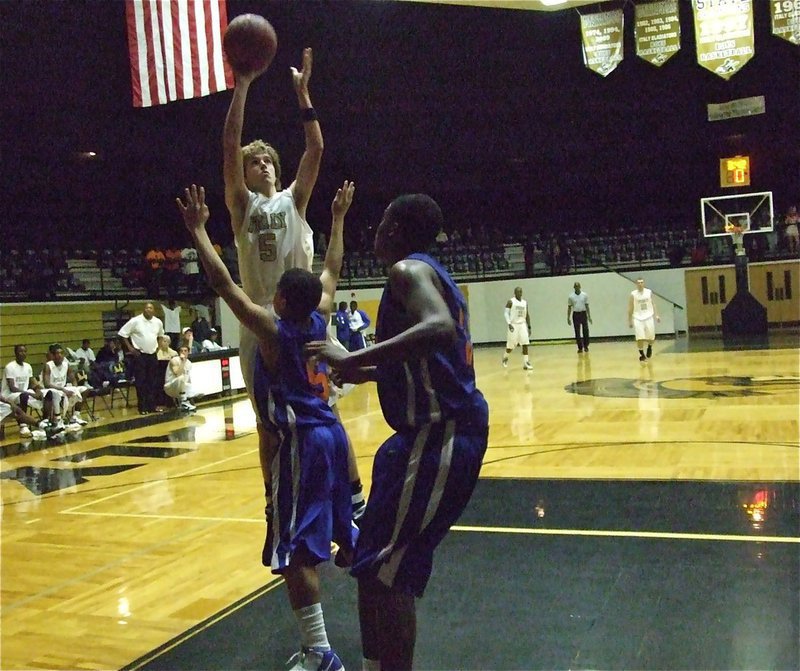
(175, 48)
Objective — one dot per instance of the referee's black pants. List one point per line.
(581, 323)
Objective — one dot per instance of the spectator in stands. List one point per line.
(188, 340)
(172, 321)
(321, 245)
(200, 326)
(178, 379)
(60, 385)
(359, 320)
(342, 322)
(191, 268)
(699, 253)
(211, 343)
(84, 355)
(791, 222)
(140, 337)
(155, 264)
(172, 269)
(164, 351)
(20, 388)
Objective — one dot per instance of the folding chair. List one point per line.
(93, 394)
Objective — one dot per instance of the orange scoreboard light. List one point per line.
(734, 171)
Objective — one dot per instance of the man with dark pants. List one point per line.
(140, 335)
(579, 316)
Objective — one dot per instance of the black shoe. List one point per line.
(580, 351)
(586, 349)
(642, 357)
(649, 352)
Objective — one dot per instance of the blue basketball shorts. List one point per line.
(421, 483)
(311, 495)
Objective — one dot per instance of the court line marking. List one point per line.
(614, 533)
(629, 534)
(197, 629)
(153, 483)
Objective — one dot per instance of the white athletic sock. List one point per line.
(370, 664)
(525, 358)
(312, 627)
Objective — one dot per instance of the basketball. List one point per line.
(250, 43)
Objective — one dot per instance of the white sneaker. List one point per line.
(188, 407)
(59, 425)
(44, 424)
(77, 419)
(73, 427)
(527, 366)
(24, 431)
(38, 434)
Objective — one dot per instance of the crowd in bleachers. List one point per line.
(476, 251)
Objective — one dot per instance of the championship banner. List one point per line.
(657, 31)
(723, 31)
(786, 19)
(602, 41)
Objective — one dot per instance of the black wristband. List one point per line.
(308, 114)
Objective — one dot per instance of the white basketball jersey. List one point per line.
(272, 238)
(58, 374)
(642, 304)
(518, 310)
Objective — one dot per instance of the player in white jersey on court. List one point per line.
(642, 315)
(519, 327)
(269, 226)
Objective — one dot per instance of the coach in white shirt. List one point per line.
(140, 336)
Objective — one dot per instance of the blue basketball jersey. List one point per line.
(440, 386)
(297, 394)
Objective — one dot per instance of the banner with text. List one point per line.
(724, 34)
(657, 31)
(602, 41)
(786, 19)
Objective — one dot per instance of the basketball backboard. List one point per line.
(750, 212)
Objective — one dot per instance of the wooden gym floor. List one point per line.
(606, 482)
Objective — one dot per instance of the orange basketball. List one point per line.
(250, 43)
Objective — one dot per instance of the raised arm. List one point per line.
(308, 168)
(236, 192)
(253, 316)
(333, 256)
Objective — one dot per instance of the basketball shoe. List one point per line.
(313, 659)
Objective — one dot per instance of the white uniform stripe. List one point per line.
(388, 571)
(408, 487)
(411, 398)
(295, 456)
(445, 459)
(434, 411)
